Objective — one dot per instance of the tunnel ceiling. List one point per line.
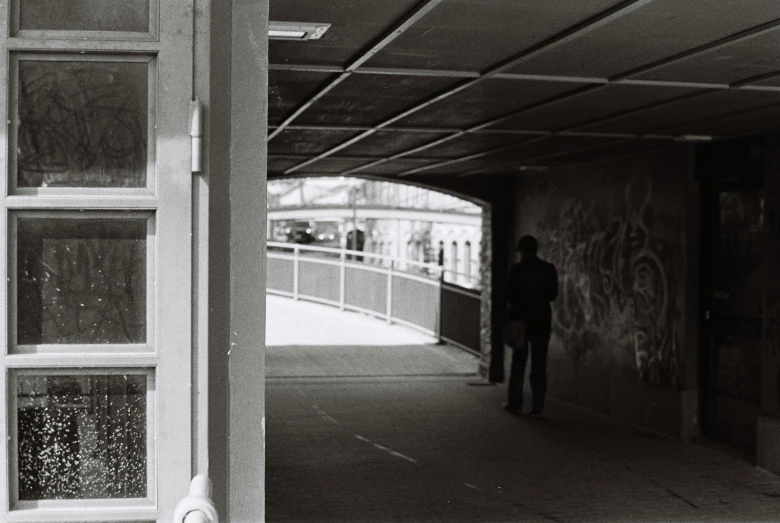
(454, 88)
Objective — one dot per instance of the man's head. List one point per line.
(527, 247)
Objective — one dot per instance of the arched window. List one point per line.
(410, 252)
(454, 260)
(467, 261)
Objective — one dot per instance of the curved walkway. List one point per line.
(307, 339)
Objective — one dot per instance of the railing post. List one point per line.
(343, 280)
(296, 271)
(438, 317)
(390, 292)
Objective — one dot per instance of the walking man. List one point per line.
(532, 285)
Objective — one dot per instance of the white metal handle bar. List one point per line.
(198, 506)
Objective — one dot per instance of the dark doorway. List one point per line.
(732, 280)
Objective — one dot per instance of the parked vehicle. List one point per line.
(326, 234)
(300, 232)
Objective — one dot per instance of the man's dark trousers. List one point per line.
(539, 342)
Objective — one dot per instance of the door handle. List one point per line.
(198, 506)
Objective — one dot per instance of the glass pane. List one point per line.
(82, 124)
(81, 280)
(81, 436)
(84, 15)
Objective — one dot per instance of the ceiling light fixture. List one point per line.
(694, 138)
(296, 31)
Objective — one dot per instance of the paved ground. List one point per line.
(305, 323)
(434, 449)
(295, 361)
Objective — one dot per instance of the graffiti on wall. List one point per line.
(618, 294)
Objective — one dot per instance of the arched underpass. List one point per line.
(356, 433)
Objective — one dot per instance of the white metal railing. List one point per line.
(375, 284)
(458, 278)
(466, 280)
(296, 248)
(367, 282)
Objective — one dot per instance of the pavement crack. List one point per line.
(671, 492)
(594, 449)
(773, 495)
(551, 518)
(681, 498)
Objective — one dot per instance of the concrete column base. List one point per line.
(768, 443)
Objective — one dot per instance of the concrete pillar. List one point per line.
(768, 436)
(501, 227)
(211, 228)
(689, 350)
(231, 56)
(249, 116)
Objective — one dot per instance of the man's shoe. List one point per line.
(537, 415)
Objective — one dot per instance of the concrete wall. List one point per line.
(771, 343)
(617, 233)
(626, 236)
(768, 447)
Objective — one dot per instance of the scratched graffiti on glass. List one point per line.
(81, 280)
(84, 15)
(81, 436)
(82, 124)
